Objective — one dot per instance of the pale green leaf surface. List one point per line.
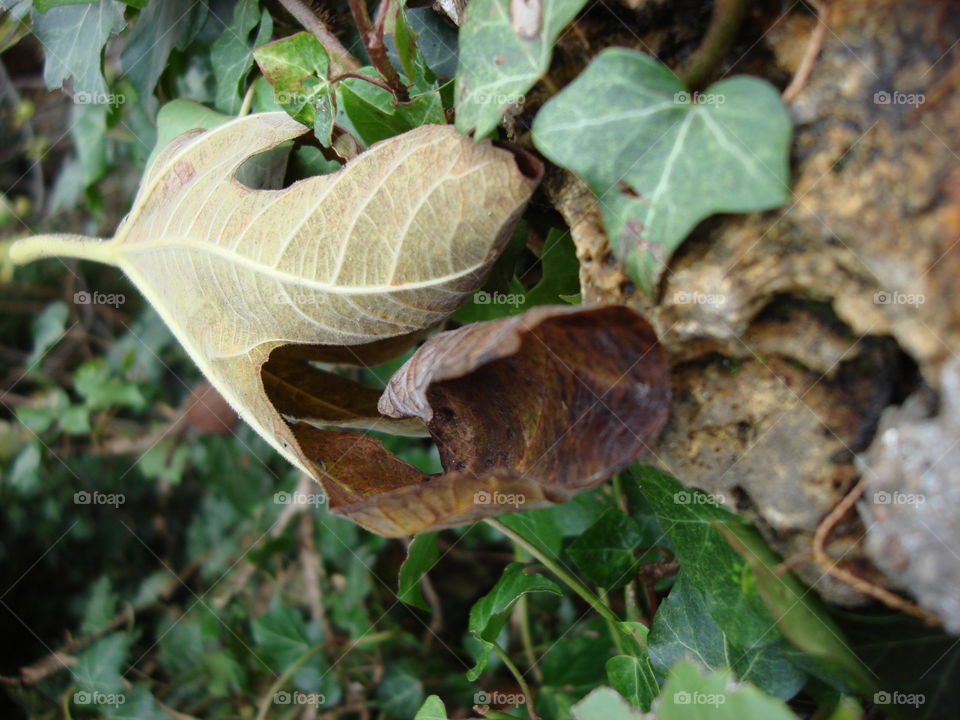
(659, 163)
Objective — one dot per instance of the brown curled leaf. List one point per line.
(525, 411)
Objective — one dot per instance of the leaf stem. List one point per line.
(315, 26)
(372, 36)
(263, 707)
(722, 31)
(578, 587)
(82, 247)
(515, 671)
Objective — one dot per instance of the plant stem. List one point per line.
(312, 23)
(263, 707)
(578, 587)
(360, 76)
(724, 24)
(525, 689)
(62, 245)
(373, 42)
(612, 627)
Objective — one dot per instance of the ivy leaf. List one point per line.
(48, 327)
(660, 160)
(138, 704)
(604, 553)
(400, 693)
(489, 614)
(232, 55)
(297, 68)
(281, 635)
(691, 695)
(683, 627)
(605, 704)
(421, 557)
(432, 709)
(161, 27)
(710, 564)
(633, 678)
(73, 37)
(504, 49)
(98, 668)
(373, 113)
(560, 271)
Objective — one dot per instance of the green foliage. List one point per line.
(297, 69)
(73, 37)
(660, 159)
(501, 59)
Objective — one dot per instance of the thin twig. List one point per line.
(829, 565)
(360, 76)
(518, 676)
(814, 44)
(372, 36)
(313, 24)
(724, 24)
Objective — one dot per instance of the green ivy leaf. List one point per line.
(373, 113)
(95, 383)
(138, 704)
(161, 27)
(709, 563)
(98, 668)
(690, 695)
(432, 709)
(659, 160)
(232, 53)
(560, 271)
(489, 614)
(633, 678)
(297, 68)
(73, 37)
(683, 627)
(421, 557)
(604, 553)
(101, 606)
(48, 328)
(501, 57)
(400, 693)
(605, 704)
(281, 635)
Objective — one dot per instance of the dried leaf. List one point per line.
(525, 411)
(382, 249)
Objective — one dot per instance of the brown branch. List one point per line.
(829, 565)
(315, 26)
(372, 36)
